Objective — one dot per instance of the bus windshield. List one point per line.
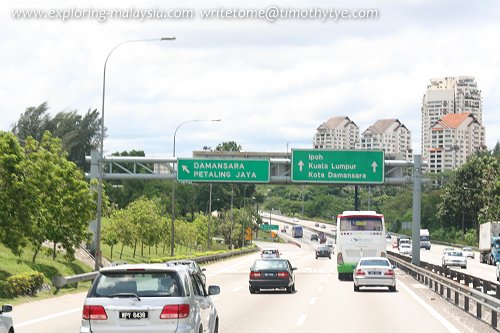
(361, 223)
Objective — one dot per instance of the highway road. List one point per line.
(321, 302)
(433, 256)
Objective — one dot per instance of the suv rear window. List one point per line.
(142, 284)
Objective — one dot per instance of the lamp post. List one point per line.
(101, 149)
(172, 230)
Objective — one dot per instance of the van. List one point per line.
(425, 239)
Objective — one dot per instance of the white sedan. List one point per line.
(405, 249)
(6, 325)
(454, 258)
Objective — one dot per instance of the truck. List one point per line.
(489, 242)
(425, 239)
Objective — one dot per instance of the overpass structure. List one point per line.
(300, 166)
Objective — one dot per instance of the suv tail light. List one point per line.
(94, 312)
(340, 260)
(283, 275)
(176, 311)
(359, 272)
(255, 275)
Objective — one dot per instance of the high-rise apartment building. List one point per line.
(337, 133)
(389, 135)
(453, 138)
(447, 96)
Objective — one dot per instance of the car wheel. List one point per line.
(316, 257)
(356, 288)
(252, 290)
(289, 290)
(293, 286)
(392, 289)
(216, 328)
(464, 267)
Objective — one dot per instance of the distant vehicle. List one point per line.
(425, 239)
(297, 231)
(149, 298)
(283, 230)
(489, 242)
(6, 323)
(359, 234)
(192, 264)
(404, 239)
(374, 272)
(314, 237)
(468, 252)
(295, 219)
(270, 253)
(323, 226)
(287, 226)
(405, 249)
(316, 224)
(322, 237)
(395, 244)
(271, 274)
(323, 251)
(454, 258)
(388, 236)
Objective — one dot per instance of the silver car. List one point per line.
(143, 298)
(374, 272)
(6, 324)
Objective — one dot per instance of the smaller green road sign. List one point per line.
(338, 166)
(223, 170)
(268, 227)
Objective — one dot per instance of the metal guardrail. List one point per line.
(60, 281)
(448, 285)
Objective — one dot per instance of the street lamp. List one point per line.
(101, 151)
(172, 230)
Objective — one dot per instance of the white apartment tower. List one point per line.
(389, 135)
(337, 133)
(445, 96)
(453, 138)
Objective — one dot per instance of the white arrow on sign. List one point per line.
(374, 166)
(185, 169)
(301, 164)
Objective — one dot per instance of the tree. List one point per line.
(228, 146)
(78, 134)
(33, 122)
(473, 196)
(65, 202)
(17, 200)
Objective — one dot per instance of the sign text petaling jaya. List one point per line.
(223, 170)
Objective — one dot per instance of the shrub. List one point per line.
(21, 284)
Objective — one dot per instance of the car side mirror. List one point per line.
(213, 290)
(203, 269)
(6, 308)
(294, 268)
(498, 263)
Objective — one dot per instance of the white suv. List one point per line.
(6, 324)
(144, 298)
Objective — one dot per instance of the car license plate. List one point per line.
(373, 273)
(133, 314)
(269, 274)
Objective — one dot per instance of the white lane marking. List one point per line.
(237, 288)
(301, 320)
(313, 300)
(52, 316)
(320, 289)
(429, 309)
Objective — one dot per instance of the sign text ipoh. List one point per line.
(223, 170)
(338, 166)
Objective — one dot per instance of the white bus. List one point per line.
(359, 234)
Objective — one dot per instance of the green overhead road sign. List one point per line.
(223, 170)
(268, 227)
(338, 166)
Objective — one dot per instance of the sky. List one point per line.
(272, 82)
